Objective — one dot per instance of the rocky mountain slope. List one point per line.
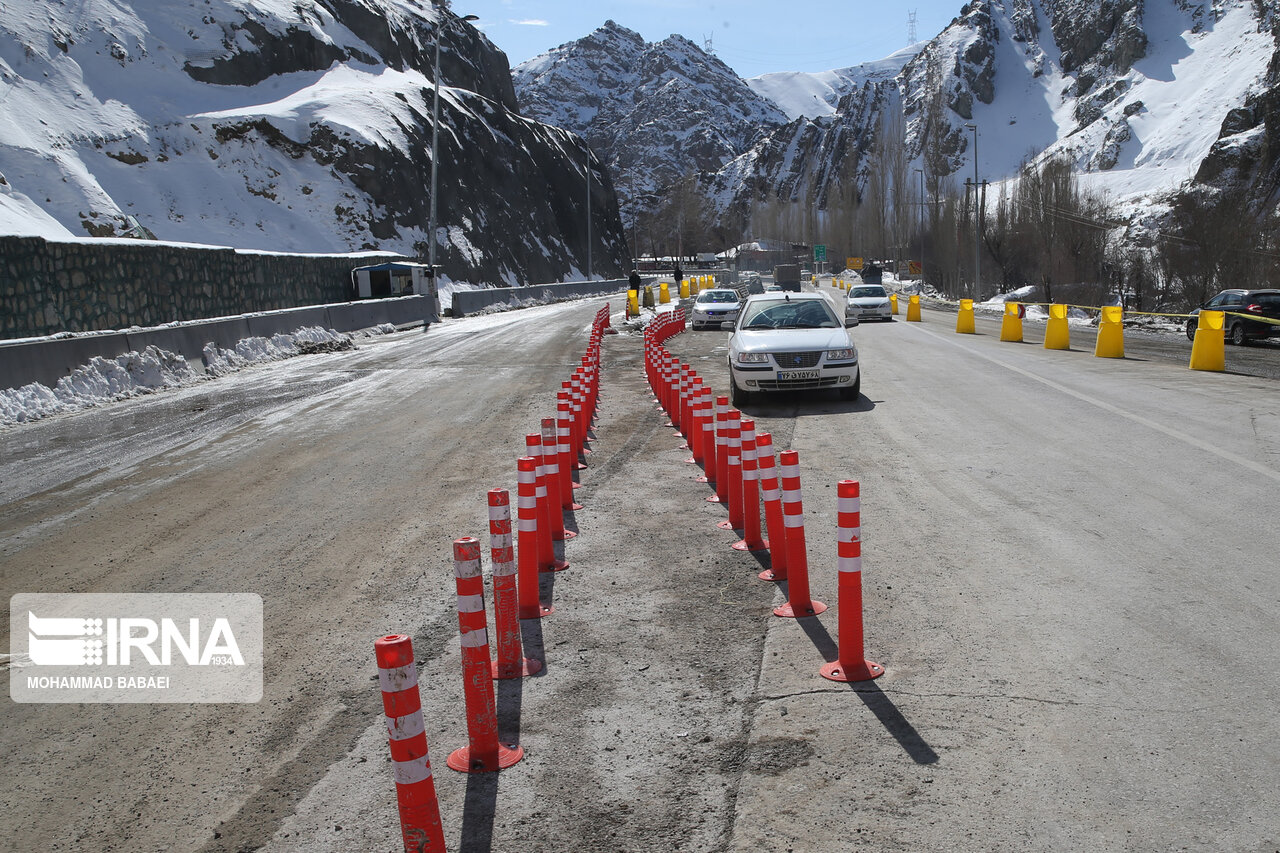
(300, 126)
(653, 112)
(1141, 95)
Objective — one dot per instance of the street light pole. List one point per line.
(435, 133)
(587, 149)
(923, 201)
(977, 215)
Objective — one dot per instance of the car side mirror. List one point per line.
(727, 326)
(849, 322)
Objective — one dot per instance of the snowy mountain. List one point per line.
(292, 125)
(653, 112)
(813, 95)
(1143, 96)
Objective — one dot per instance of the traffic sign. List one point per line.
(853, 263)
(819, 253)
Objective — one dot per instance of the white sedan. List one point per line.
(791, 342)
(867, 302)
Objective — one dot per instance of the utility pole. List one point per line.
(587, 148)
(977, 216)
(441, 24)
(923, 201)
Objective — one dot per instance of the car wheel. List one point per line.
(1237, 334)
(1191, 330)
(737, 396)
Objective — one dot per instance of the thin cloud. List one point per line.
(531, 22)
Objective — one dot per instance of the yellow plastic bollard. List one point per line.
(913, 308)
(647, 295)
(633, 303)
(893, 302)
(964, 320)
(684, 289)
(1011, 326)
(664, 293)
(1110, 342)
(1057, 334)
(1208, 351)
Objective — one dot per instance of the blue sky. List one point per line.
(750, 36)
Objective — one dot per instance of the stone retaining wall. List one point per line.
(48, 287)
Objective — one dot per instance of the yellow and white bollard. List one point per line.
(1110, 343)
(1011, 325)
(1208, 349)
(913, 308)
(1057, 334)
(964, 320)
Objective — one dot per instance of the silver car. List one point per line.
(867, 302)
(714, 307)
(791, 342)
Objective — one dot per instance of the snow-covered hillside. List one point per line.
(295, 125)
(654, 112)
(813, 95)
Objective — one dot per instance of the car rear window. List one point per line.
(714, 296)
(866, 291)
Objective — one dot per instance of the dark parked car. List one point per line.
(1239, 304)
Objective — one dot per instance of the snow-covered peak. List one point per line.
(816, 94)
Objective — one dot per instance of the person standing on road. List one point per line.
(679, 275)
(634, 281)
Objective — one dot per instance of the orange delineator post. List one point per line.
(531, 606)
(751, 540)
(708, 437)
(734, 469)
(722, 452)
(547, 561)
(483, 753)
(772, 496)
(551, 470)
(510, 660)
(850, 665)
(798, 603)
(420, 828)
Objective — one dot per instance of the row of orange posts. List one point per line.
(1208, 348)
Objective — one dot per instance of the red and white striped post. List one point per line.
(772, 497)
(564, 450)
(555, 492)
(751, 540)
(734, 468)
(850, 665)
(484, 753)
(694, 436)
(547, 561)
(531, 606)
(708, 438)
(510, 662)
(798, 604)
(722, 452)
(420, 827)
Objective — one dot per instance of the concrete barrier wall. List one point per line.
(48, 360)
(470, 301)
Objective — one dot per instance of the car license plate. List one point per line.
(792, 375)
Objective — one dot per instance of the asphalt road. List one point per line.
(1068, 569)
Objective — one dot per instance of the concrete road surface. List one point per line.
(1069, 573)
